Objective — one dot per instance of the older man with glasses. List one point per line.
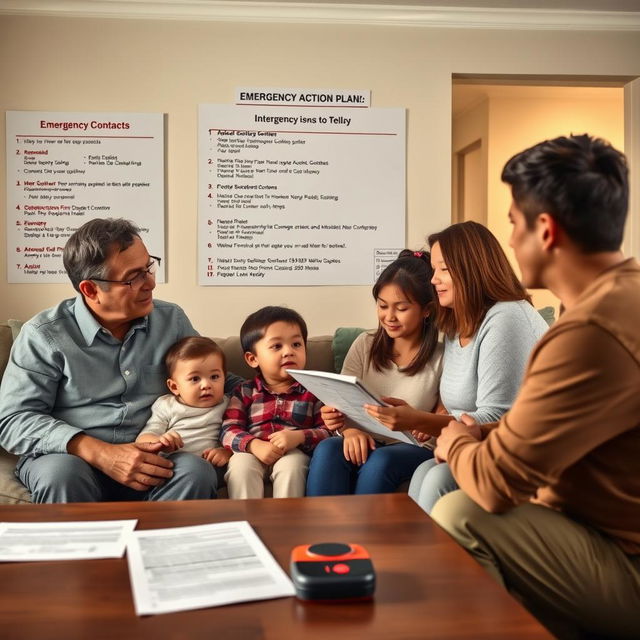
(83, 375)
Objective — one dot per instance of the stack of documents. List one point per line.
(170, 569)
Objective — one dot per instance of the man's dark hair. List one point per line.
(581, 181)
(257, 323)
(89, 247)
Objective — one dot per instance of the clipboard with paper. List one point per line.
(348, 395)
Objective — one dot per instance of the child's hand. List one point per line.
(171, 441)
(332, 418)
(218, 456)
(420, 436)
(440, 409)
(286, 439)
(265, 451)
(356, 445)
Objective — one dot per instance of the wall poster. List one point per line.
(299, 187)
(64, 169)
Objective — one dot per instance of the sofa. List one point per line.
(324, 353)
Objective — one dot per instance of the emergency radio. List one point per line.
(332, 571)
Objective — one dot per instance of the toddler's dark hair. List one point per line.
(257, 323)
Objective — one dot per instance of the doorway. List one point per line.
(493, 118)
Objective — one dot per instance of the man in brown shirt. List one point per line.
(550, 495)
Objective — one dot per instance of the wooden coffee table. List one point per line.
(427, 586)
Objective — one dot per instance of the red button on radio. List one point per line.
(341, 568)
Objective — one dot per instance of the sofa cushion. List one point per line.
(548, 313)
(15, 326)
(319, 353)
(11, 491)
(234, 356)
(342, 340)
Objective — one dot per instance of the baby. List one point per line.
(189, 417)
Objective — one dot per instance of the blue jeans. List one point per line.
(430, 481)
(61, 477)
(386, 468)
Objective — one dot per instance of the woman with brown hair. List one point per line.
(489, 328)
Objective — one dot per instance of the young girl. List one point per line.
(490, 328)
(402, 357)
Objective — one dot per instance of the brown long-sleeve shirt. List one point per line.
(572, 438)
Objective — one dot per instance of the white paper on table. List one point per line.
(20, 541)
(201, 566)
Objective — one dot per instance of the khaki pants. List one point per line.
(245, 475)
(575, 580)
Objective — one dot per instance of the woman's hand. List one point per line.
(332, 418)
(356, 445)
(397, 417)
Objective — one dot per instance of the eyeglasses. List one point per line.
(138, 279)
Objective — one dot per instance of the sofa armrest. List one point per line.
(11, 491)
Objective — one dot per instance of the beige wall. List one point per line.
(511, 118)
(171, 67)
(517, 123)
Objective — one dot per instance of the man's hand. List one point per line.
(266, 452)
(332, 418)
(136, 465)
(397, 417)
(356, 445)
(218, 456)
(467, 426)
(287, 439)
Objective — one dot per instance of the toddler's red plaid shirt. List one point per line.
(255, 412)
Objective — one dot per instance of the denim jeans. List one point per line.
(430, 481)
(386, 468)
(61, 477)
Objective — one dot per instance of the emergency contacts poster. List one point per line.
(64, 169)
(299, 187)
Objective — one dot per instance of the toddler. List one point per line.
(272, 422)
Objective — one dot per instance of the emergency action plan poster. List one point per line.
(299, 187)
(64, 169)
